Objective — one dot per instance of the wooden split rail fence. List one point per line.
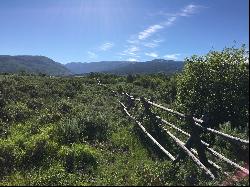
(194, 138)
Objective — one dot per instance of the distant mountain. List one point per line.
(42, 64)
(31, 64)
(127, 67)
(149, 67)
(81, 68)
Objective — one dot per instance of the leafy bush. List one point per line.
(4, 128)
(7, 157)
(39, 148)
(130, 78)
(17, 112)
(35, 104)
(94, 129)
(48, 116)
(78, 157)
(64, 107)
(216, 84)
(70, 131)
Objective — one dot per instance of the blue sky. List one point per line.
(97, 30)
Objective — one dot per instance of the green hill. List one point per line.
(31, 64)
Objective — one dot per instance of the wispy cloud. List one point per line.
(137, 42)
(133, 41)
(92, 54)
(170, 21)
(152, 43)
(186, 11)
(152, 54)
(189, 10)
(131, 50)
(131, 59)
(106, 46)
(149, 31)
(173, 56)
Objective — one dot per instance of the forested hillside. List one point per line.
(73, 131)
(155, 66)
(126, 67)
(31, 64)
(81, 68)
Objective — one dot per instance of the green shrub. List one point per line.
(7, 157)
(49, 116)
(55, 175)
(17, 112)
(68, 131)
(71, 131)
(4, 129)
(64, 107)
(216, 84)
(94, 129)
(130, 78)
(78, 157)
(35, 104)
(39, 148)
(29, 89)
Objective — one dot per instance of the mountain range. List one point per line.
(31, 64)
(81, 68)
(127, 67)
(45, 65)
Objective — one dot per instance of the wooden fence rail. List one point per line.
(146, 132)
(197, 122)
(212, 151)
(181, 144)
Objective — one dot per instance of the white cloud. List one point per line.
(106, 46)
(158, 41)
(188, 10)
(131, 50)
(170, 21)
(92, 54)
(141, 39)
(132, 59)
(152, 43)
(133, 41)
(149, 31)
(152, 54)
(173, 56)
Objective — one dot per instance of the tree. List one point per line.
(216, 84)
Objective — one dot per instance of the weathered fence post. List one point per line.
(154, 121)
(194, 141)
(130, 102)
(146, 105)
